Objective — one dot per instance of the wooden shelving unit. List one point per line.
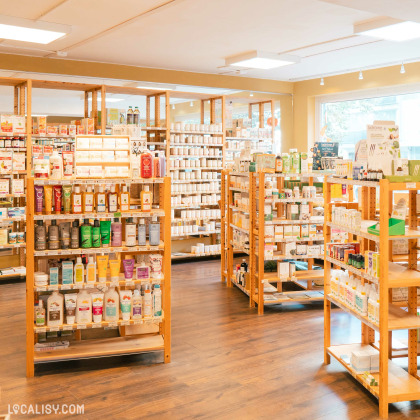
(395, 384)
(129, 336)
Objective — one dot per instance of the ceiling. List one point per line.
(196, 35)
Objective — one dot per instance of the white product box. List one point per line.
(121, 144)
(19, 124)
(288, 231)
(278, 233)
(312, 231)
(18, 186)
(121, 156)
(304, 231)
(3, 213)
(96, 172)
(296, 231)
(82, 143)
(5, 162)
(304, 212)
(82, 172)
(82, 156)
(95, 143)
(268, 251)
(95, 156)
(4, 186)
(301, 249)
(314, 249)
(109, 143)
(292, 212)
(283, 270)
(360, 361)
(269, 233)
(18, 161)
(289, 248)
(108, 156)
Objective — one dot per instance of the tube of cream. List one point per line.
(97, 306)
(57, 198)
(70, 302)
(105, 228)
(102, 264)
(67, 199)
(128, 269)
(125, 303)
(48, 198)
(114, 268)
(39, 196)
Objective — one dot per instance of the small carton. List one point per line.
(19, 124)
(18, 161)
(360, 361)
(6, 123)
(72, 130)
(269, 233)
(80, 130)
(292, 212)
(304, 231)
(4, 187)
(314, 250)
(62, 129)
(95, 143)
(301, 249)
(42, 125)
(283, 270)
(52, 130)
(305, 212)
(295, 231)
(18, 187)
(278, 233)
(312, 230)
(289, 248)
(287, 231)
(5, 162)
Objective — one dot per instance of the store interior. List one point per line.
(211, 208)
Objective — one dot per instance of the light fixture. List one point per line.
(322, 81)
(107, 99)
(153, 88)
(28, 30)
(261, 60)
(388, 28)
(173, 106)
(191, 103)
(360, 75)
(402, 71)
(251, 94)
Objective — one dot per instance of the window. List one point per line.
(345, 121)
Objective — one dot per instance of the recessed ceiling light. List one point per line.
(173, 106)
(360, 75)
(402, 71)
(261, 60)
(191, 103)
(251, 94)
(388, 28)
(322, 81)
(27, 30)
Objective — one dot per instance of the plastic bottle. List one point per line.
(136, 116)
(91, 271)
(53, 235)
(146, 165)
(137, 305)
(74, 235)
(40, 236)
(88, 200)
(76, 200)
(86, 234)
(162, 164)
(55, 309)
(111, 305)
(147, 304)
(56, 166)
(156, 166)
(279, 164)
(79, 271)
(141, 233)
(130, 232)
(101, 200)
(40, 314)
(116, 233)
(154, 232)
(96, 234)
(84, 307)
(146, 199)
(124, 199)
(112, 200)
(130, 115)
(157, 300)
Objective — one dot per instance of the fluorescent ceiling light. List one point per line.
(27, 30)
(389, 29)
(108, 100)
(153, 88)
(261, 60)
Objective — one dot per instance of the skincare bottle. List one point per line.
(84, 307)
(74, 236)
(53, 235)
(130, 232)
(157, 300)
(76, 200)
(65, 235)
(101, 200)
(147, 303)
(130, 115)
(146, 165)
(88, 200)
(56, 165)
(86, 234)
(66, 198)
(96, 234)
(91, 271)
(112, 200)
(156, 166)
(55, 309)
(40, 314)
(111, 305)
(124, 199)
(142, 233)
(136, 116)
(79, 272)
(137, 305)
(154, 232)
(116, 233)
(146, 199)
(40, 236)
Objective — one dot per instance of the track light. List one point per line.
(322, 81)
(191, 103)
(360, 75)
(402, 71)
(173, 106)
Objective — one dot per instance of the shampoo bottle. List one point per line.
(137, 304)
(125, 199)
(86, 234)
(74, 235)
(55, 309)
(79, 272)
(40, 236)
(154, 232)
(147, 304)
(76, 200)
(40, 314)
(88, 200)
(111, 305)
(142, 233)
(84, 307)
(101, 200)
(56, 166)
(116, 233)
(112, 200)
(91, 271)
(157, 300)
(146, 199)
(96, 234)
(53, 235)
(130, 232)
(146, 165)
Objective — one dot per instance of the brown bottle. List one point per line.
(53, 235)
(40, 236)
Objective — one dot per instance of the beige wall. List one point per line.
(305, 93)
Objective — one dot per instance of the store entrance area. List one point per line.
(227, 362)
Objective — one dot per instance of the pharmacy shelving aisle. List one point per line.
(148, 332)
(286, 231)
(385, 379)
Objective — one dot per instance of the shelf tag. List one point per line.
(96, 325)
(125, 322)
(53, 287)
(81, 326)
(65, 287)
(41, 330)
(114, 284)
(54, 329)
(68, 327)
(117, 214)
(137, 322)
(129, 283)
(41, 289)
(411, 185)
(112, 325)
(148, 321)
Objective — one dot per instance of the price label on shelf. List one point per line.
(112, 325)
(53, 287)
(411, 185)
(114, 283)
(148, 321)
(117, 214)
(68, 327)
(125, 322)
(129, 283)
(41, 330)
(96, 325)
(41, 289)
(53, 329)
(81, 326)
(65, 287)
(137, 321)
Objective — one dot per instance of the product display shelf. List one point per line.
(180, 256)
(121, 215)
(101, 181)
(394, 383)
(133, 336)
(263, 246)
(186, 137)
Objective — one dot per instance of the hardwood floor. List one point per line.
(227, 363)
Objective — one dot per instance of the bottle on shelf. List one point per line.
(40, 314)
(88, 200)
(111, 305)
(101, 200)
(137, 305)
(116, 232)
(136, 116)
(141, 233)
(86, 234)
(53, 235)
(84, 307)
(79, 272)
(157, 300)
(112, 200)
(146, 165)
(91, 270)
(40, 236)
(124, 199)
(74, 235)
(96, 234)
(147, 303)
(154, 232)
(76, 200)
(130, 115)
(55, 305)
(146, 199)
(130, 232)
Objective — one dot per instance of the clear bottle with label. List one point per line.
(146, 199)
(88, 200)
(125, 199)
(101, 200)
(141, 233)
(130, 232)
(40, 314)
(154, 232)
(136, 116)
(112, 200)
(147, 303)
(53, 235)
(130, 115)
(76, 200)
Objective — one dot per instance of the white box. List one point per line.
(296, 231)
(313, 249)
(121, 144)
(283, 270)
(95, 143)
(18, 186)
(4, 186)
(108, 156)
(82, 143)
(288, 231)
(360, 361)
(304, 231)
(301, 249)
(109, 143)
(289, 248)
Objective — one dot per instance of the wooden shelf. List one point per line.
(87, 349)
(200, 233)
(277, 257)
(239, 228)
(196, 145)
(334, 180)
(120, 215)
(299, 296)
(208, 133)
(299, 276)
(401, 385)
(195, 192)
(191, 255)
(97, 181)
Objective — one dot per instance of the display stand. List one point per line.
(395, 384)
(121, 337)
